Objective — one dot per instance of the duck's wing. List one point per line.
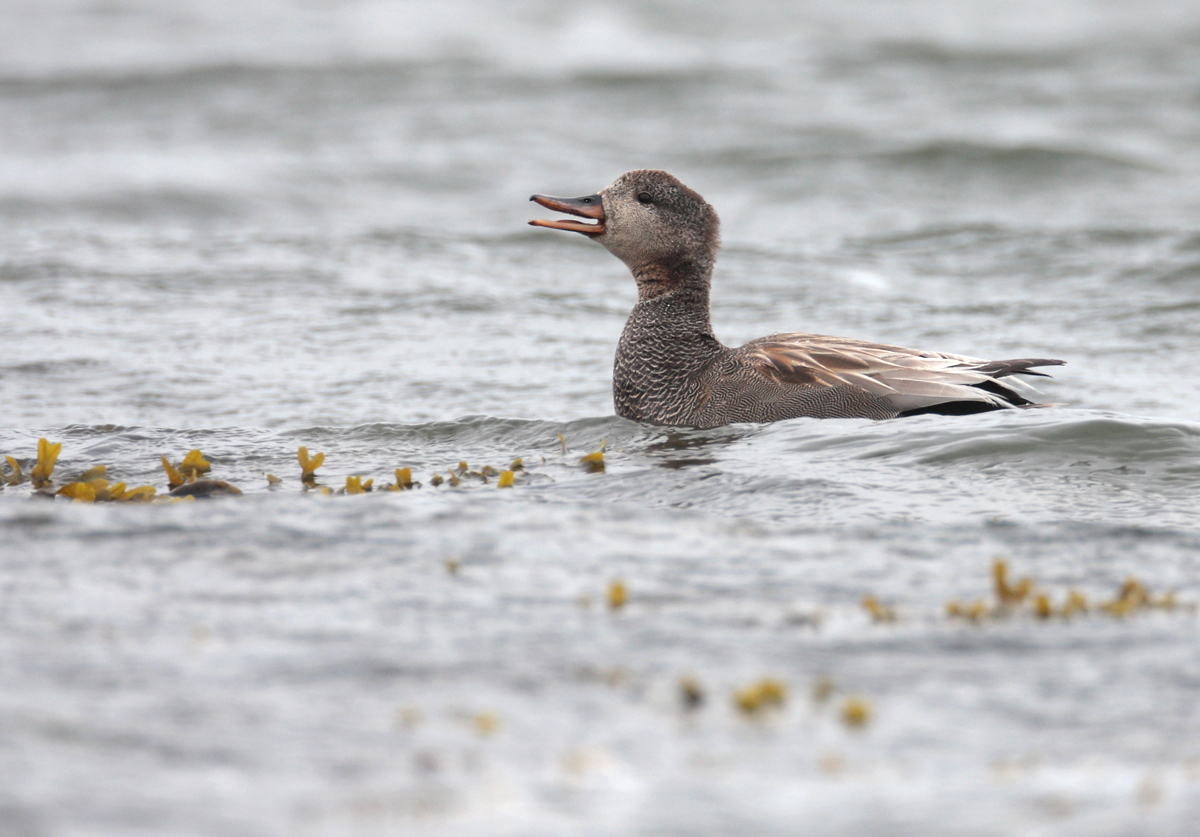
(911, 381)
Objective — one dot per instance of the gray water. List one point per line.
(246, 227)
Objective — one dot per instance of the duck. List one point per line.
(670, 368)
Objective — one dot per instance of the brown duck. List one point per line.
(671, 369)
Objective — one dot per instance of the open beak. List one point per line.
(589, 207)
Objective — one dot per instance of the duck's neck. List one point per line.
(667, 340)
(665, 276)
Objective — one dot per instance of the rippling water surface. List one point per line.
(249, 227)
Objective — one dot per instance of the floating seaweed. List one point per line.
(188, 470)
(355, 485)
(404, 481)
(47, 455)
(762, 694)
(617, 594)
(15, 476)
(1008, 594)
(593, 462)
(309, 466)
(142, 494)
(174, 478)
(856, 712)
(1132, 597)
(194, 464)
(878, 611)
(184, 480)
(95, 472)
(100, 490)
(92, 485)
(84, 492)
(973, 612)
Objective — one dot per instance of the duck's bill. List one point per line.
(586, 207)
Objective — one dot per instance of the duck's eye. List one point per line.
(644, 197)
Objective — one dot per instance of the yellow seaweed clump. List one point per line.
(189, 470)
(309, 466)
(141, 494)
(1008, 594)
(761, 695)
(82, 492)
(106, 491)
(856, 712)
(879, 612)
(1022, 597)
(174, 478)
(355, 485)
(16, 477)
(1134, 596)
(100, 490)
(1075, 603)
(194, 464)
(972, 612)
(617, 595)
(47, 455)
(404, 480)
(505, 480)
(594, 462)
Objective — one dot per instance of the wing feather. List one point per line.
(909, 379)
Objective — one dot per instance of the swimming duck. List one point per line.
(670, 368)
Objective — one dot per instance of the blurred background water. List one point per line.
(246, 227)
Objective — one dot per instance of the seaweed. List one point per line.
(767, 693)
(1024, 598)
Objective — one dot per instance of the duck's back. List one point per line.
(745, 388)
(669, 381)
(792, 375)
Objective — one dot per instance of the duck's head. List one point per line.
(645, 218)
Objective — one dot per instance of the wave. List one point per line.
(1070, 461)
(959, 58)
(1027, 159)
